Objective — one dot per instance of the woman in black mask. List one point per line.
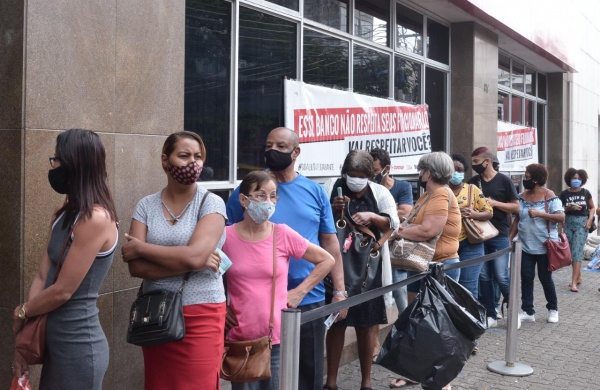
(81, 244)
(540, 212)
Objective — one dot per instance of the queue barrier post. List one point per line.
(509, 366)
(289, 365)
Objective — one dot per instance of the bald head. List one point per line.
(286, 135)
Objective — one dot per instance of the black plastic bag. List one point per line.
(470, 315)
(424, 344)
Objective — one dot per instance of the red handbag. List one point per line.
(559, 253)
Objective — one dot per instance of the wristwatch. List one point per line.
(344, 293)
(22, 315)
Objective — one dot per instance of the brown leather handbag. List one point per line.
(250, 361)
(478, 231)
(559, 253)
(31, 340)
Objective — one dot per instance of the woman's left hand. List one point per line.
(534, 213)
(588, 224)
(19, 366)
(130, 250)
(294, 297)
(363, 218)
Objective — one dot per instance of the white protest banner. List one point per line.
(330, 123)
(517, 146)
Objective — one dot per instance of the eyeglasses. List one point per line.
(52, 160)
(263, 197)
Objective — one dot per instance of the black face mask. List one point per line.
(528, 184)
(422, 183)
(379, 177)
(278, 161)
(479, 168)
(59, 179)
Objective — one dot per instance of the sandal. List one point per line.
(407, 383)
(574, 289)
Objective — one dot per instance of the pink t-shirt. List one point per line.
(250, 278)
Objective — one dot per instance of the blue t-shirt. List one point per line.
(402, 192)
(304, 206)
(534, 231)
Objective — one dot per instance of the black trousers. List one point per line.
(312, 350)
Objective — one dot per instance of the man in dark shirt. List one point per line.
(402, 193)
(502, 196)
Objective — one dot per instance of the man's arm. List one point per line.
(509, 207)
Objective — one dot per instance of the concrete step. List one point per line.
(350, 352)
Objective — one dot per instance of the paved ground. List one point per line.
(563, 356)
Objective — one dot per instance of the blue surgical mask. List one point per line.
(575, 183)
(260, 212)
(457, 178)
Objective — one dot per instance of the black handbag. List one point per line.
(157, 317)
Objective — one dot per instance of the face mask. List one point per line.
(379, 177)
(422, 183)
(260, 212)
(187, 174)
(457, 178)
(575, 183)
(356, 184)
(278, 161)
(59, 179)
(479, 168)
(528, 184)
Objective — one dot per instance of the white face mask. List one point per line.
(356, 184)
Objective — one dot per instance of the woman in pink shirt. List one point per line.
(249, 245)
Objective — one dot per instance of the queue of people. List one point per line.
(280, 232)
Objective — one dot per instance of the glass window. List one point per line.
(516, 113)
(407, 81)
(438, 42)
(530, 81)
(409, 30)
(542, 86)
(325, 60)
(518, 74)
(333, 13)
(371, 20)
(435, 97)
(267, 53)
(529, 117)
(503, 107)
(291, 4)
(371, 72)
(541, 131)
(503, 70)
(206, 96)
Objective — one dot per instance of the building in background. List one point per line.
(136, 72)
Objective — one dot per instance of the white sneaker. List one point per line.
(553, 316)
(498, 315)
(518, 322)
(524, 317)
(491, 322)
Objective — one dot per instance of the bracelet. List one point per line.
(344, 293)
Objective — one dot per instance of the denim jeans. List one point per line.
(268, 384)
(399, 294)
(528, 264)
(454, 274)
(469, 276)
(496, 269)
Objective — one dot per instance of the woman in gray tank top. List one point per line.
(76, 355)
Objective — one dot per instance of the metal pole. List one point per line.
(510, 367)
(289, 365)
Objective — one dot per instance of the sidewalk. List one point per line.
(563, 356)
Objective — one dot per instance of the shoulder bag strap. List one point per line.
(416, 209)
(271, 320)
(471, 202)
(187, 275)
(546, 208)
(60, 261)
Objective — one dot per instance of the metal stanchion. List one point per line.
(509, 366)
(289, 365)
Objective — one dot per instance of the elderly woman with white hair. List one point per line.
(437, 212)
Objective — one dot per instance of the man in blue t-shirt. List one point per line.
(304, 206)
(402, 193)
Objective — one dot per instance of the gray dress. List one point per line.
(76, 347)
